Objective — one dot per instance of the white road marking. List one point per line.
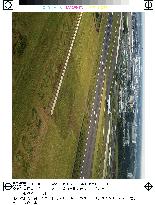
(65, 66)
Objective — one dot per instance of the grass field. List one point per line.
(45, 146)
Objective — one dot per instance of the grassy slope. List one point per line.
(45, 147)
(98, 160)
(64, 132)
(35, 72)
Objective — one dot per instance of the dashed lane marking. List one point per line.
(66, 63)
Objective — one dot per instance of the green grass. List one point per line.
(35, 73)
(72, 104)
(45, 147)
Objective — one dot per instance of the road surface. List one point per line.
(86, 167)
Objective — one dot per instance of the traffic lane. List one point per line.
(92, 134)
(87, 162)
(92, 131)
(107, 116)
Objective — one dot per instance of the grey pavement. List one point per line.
(86, 166)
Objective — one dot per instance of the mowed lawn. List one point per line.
(45, 146)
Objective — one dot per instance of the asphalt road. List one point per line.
(86, 166)
(110, 80)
